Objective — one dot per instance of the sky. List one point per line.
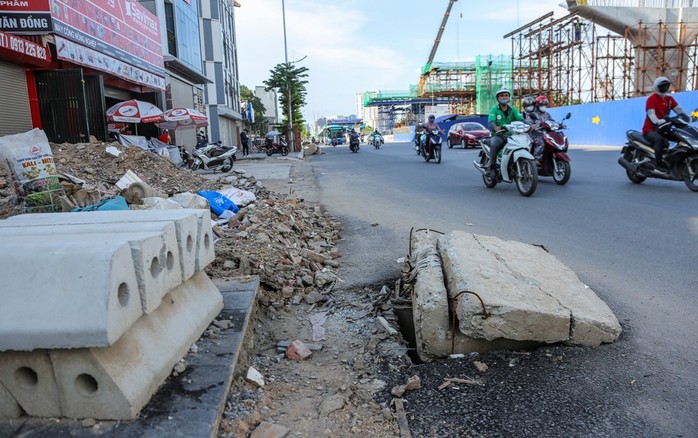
(353, 46)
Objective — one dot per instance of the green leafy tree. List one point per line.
(260, 125)
(283, 77)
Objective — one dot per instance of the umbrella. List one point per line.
(134, 111)
(183, 118)
(273, 133)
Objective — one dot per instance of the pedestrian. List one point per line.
(165, 137)
(244, 139)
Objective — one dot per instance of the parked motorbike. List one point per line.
(681, 161)
(514, 161)
(213, 156)
(276, 148)
(354, 143)
(555, 162)
(434, 137)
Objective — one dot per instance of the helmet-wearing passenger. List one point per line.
(542, 103)
(528, 104)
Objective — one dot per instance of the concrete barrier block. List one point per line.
(28, 377)
(9, 408)
(187, 222)
(61, 293)
(155, 253)
(116, 382)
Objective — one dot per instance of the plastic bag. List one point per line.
(29, 163)
(240, 197)
(115, 203)
(218, 202)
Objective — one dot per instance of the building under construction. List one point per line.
(602, 50)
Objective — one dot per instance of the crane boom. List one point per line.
(423, 78)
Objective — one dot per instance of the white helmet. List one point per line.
(661, 85)
(501, 91)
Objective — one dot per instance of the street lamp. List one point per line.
(289, 132)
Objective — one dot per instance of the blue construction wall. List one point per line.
(605, 123)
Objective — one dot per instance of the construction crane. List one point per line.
(427, 67)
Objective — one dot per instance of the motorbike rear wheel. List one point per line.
(561, 172)
(284, 150)
(437, 153)
(633, 176)
(690, 181)
(527, 179)
(490, 182)
(227, 165)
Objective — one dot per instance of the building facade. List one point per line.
(270, 102)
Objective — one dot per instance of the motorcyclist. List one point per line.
(540, 115)
(656, 129)
(501, 114)
(374, 134)
(353, 135)
(431, 126)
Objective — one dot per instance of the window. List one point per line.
(170, 25)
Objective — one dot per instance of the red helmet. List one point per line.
(542, 100)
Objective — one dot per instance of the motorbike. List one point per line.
(434, 136)
(276, 148)
(514, 161)
(555, 162)
(681, 161)
(354, 143)
(376, 141)
(213, 156)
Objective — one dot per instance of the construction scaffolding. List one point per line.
(569, 62)
(492, 73)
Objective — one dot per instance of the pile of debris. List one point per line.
(287, 243)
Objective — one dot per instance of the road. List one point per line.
(635, 245)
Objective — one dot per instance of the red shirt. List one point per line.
(662, 106)
(165, 138)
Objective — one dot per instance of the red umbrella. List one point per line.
(183, 118)
(134, 111)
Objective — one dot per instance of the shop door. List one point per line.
(62, 105)
(15, 116)
(94, 97)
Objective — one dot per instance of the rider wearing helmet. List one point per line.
(658, 107)
(431, 126)
(540, 113)
(501, 114)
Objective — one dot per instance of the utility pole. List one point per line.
(289, 132)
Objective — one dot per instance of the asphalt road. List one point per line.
(635, 245)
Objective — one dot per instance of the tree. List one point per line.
(285, 76)
(260, 125)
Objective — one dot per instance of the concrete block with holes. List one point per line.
(28, 378)
(193, 228)
(60, 292)
(9, 408)
(529, 295)
(155, 253)
(116, 382)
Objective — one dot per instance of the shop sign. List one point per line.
(121, 29)
(25, 16)
(24, 47)
(88, 57)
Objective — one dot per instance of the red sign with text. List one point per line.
(24, 48)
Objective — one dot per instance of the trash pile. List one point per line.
(288, 244)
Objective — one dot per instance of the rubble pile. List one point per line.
(288, 244)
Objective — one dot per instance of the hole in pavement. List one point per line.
(26, 377)
(123, 294)
(405, 319)
(86, 384)
(155, 267)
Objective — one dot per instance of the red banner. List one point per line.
(122, 29)
(25, 49)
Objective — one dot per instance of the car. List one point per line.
(466, 134)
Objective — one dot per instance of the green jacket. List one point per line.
(498, 117)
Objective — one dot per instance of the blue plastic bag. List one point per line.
(219, 203)
(115, 203)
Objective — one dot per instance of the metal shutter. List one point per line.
(15, 116)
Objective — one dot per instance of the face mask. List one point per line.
(542, 108)
(529, 108)
(503, 101)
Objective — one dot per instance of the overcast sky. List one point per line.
(363, 45)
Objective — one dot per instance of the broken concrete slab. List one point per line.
(528, 293)
(116, 382)
(29, 379)
(435, 338)
(66, 293)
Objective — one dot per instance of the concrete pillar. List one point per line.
(66, 293)
(659, 51)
